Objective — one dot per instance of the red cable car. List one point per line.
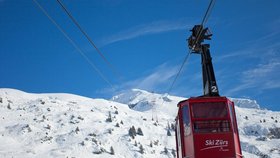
(206, 126)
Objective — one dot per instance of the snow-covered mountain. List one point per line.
(135, 123)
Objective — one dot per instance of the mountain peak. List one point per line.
(246, 103)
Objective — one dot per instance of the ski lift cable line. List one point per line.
(205, 18)
(114, 70)
(93, 66)
(177, 75)
(207, 14)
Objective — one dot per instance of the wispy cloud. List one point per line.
(253, 67)
(262, 77)
(262, 72)
(147, 29)
(259, 47)
(157, 80)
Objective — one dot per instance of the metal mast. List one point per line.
(195, 43)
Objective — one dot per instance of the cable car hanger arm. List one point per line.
(195, 44)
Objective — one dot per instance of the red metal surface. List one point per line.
(215, 137)
(214, 145)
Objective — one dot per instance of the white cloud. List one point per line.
(158, 80)
(262, 77)
(264, 53)
(262, 70)
(146, 29)
(154, 81)
(262, 47)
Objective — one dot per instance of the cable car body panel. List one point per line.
(206, 127)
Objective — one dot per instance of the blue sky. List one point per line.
(146, 42)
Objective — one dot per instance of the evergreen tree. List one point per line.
(168, 126)
(117, 125)
(165, 150)
(139, 131)
(109, 119)
(173, 152)
(168, 133)
(76, 130)
(173, 126)
(9, 106)
(110, 131)
(132, 132)
(141, 149)
(151, 144)
(112, 152)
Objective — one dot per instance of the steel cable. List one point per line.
(114, 70)
(74, 44)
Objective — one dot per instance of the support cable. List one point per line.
(204, 20)
(93, 66)
(208, 11)
(177, 75)
(114, 70)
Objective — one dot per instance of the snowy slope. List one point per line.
(259, 129)
(65, 125)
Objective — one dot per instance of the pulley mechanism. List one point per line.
(199, 34)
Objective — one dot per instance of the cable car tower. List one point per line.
(206, 125)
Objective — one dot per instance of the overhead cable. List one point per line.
(114, 70)
(74, 44)
(178, 73)
(208, 11)
(204, 20)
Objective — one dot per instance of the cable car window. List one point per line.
(186, 121)
(212, 117)
(211, 126)
(179, 139)
(231, 117)
(209, 110)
